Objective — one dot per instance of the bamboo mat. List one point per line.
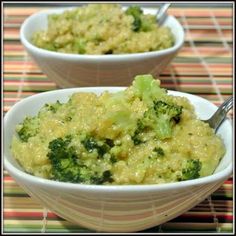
(202, 67)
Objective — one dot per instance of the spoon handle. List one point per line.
(221, 113)
(161, 13)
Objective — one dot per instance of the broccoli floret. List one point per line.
(53, 107)
(119, 113)
(147, 89)
(136, 137)
(159, 151)
(113, 159)
(161, 118)
(167, 116)
(91, 144)
(68, 167)
(172, 110)
(110, 142)
(136, 12)
(106, 177)
(29, 128)
(64, 160)
(191, 170)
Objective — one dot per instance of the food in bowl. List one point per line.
(103, 29)
(140, 135)
(76, 70)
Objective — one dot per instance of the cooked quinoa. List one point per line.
(103, 29)
(118, 138)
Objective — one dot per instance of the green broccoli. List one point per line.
(113, 159)
(136, 137)
(68, 167)
(64, 160)
(161, 118)
(172, 110)
(148, 89)
(167, 116)
(29, 128)
(119, 112)
(92, 144)
(191, 169)
(159, 151)
(109, 142)
(106, 177)
(53, 107)
(136, 12)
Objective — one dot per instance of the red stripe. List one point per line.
(28, 214)
(7, 178)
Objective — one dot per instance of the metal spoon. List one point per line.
(218, 117)
(161, 13)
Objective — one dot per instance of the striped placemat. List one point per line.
(202, 67)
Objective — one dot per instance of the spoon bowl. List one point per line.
(217, 118)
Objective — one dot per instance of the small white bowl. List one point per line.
(127, 208)
(71, 70)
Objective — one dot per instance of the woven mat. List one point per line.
(202, 67)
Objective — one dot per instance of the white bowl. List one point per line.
(114, 208)
(70, 70)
